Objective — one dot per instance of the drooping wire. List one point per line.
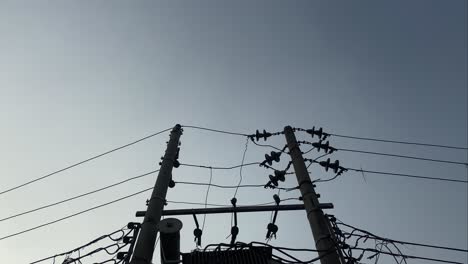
(220, 168)
(216, 130)
(242, 166)
(266, 145)
(84, 161)
(73, 215)
(206, 198)
(78, 196)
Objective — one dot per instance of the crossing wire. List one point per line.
(84, 161)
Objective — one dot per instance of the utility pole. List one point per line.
(318, 222)
(144, 248)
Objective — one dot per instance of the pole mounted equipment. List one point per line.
(318, 222)
(144, 248)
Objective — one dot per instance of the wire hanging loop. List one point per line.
(234, 228)
(272, 227)
(197, 232)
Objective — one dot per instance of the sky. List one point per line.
(78, 78)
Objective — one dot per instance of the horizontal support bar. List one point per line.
(239, 209)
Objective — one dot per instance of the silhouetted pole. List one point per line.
(144, 248)
(317, 220)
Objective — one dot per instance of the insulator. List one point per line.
(127, 239)
(335, 166)
(234, 201)
(263, 135)
(133, 225)
(276, 198)
(176, 164)
(122, 255)
(171, 184)
(325, 164)
(273, 180)
(197, 232)
(272, 230)
(280, 175)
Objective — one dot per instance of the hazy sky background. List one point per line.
(78, 78)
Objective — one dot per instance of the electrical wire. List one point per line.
(241, 167)
(78, 196)
(216, 130)
(370, 235)
(400, 142)
(206, 198)
(220, 168)
(267, 145)
(73, 215)
(404, 256)
(94, 241)
(407, 175)
(403, 156)
(84, 161)
(409, 243)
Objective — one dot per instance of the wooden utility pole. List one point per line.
(144, 248)
(324, 242)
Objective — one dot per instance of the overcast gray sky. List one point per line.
(80, 77)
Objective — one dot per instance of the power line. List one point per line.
(400, 142)
(406, 256)
(206, 197)
(369, 235)
(217, 131)
(242, 166)
(406, 175)
(403, 156)
(84, 161)
(75, 214)
(78, 196)
(408, 243)
(220, 168)
(85, 245)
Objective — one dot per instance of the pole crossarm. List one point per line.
(239, 209)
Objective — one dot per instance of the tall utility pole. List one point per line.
(318, 222)
(144, 248)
